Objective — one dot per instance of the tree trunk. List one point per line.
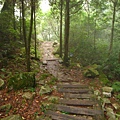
(61, 7)
(24, 25)
(112, 29)
(14, 22)
(66, 41)
(20, 22)
(35, 29)
(29, 37)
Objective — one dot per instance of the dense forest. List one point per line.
(87, 31)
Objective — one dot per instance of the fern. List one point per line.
(116, 86)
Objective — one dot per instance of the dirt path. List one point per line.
(78, 101)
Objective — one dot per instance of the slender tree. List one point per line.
(61, 7)
(66, 35)
(29, 37)
(35, 29)
(113, 24)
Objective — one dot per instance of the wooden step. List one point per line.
(76, 102)
(61, 116)
(78, 96)
(71, 86)
(74, 90)
(78, 110)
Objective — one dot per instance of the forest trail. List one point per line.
(78, 101)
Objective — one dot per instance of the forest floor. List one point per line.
(31, 109)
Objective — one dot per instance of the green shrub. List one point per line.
(116, 86)
(22, 80)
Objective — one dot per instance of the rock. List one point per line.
(97, 92)
(107, 89)
(60, 61)
(45, 90)
(6, 108)
(55, 43)
(91, 71)
(22, 80)
(110, 114)
(106, 100)
(13, 117)
(116, 106)
(106, 94)
(44, 62)
(28, 95)
(1, 83)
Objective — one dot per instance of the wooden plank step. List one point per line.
(78, 110)
(78, 96)
(68, 80)
(52, 59)
(71, 86)
(73, 90)
(60, 116)
(76, 102)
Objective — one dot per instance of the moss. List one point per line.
(91, 71)
(103, 78)
(22, 80)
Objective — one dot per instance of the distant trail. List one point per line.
(78, 101)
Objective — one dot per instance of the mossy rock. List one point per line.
(22, 80)
(91, 71)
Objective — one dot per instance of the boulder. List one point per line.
(13, 117)
(91, 71)
(6, 108)
(110, 114)
(97, 92)
(28, 95)
(45, 90)
(107, 89)
(106, 94)
(22, 80)
(116, 106)
(1, 83)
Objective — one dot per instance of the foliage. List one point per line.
(112, 68)
(116, 86)
(91, 71)
(22, 80)
(52, 80)
(44, 76)
(103, 78)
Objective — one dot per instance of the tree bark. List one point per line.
(24, 25)
(61, 7)
(112, 29)
(35, 29)
(29, 37)
(66, 41)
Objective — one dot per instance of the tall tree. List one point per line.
(35, 29)
(66, 35)
(61, 7)
(29, 36)
(113, 24)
